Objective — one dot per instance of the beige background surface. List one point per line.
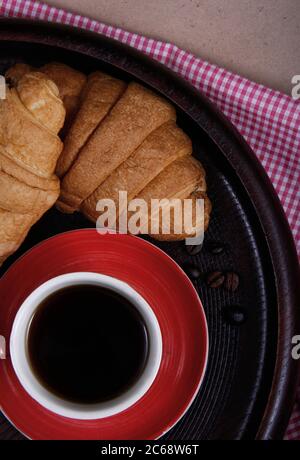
(259, 39)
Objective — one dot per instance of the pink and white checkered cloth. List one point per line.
(268, 120)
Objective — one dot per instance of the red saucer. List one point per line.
(177, 307)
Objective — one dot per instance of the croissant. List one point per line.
(70, 83)
(182, 179)
(136, 114)
(164, 145)
(123, 137)
(99, 94)
(30, 118)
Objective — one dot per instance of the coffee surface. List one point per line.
(87, 344)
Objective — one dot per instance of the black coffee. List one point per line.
(87, 344)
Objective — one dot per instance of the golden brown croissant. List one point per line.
(198, 221)
(164, 145)
(70, 83)
(30, 118)
(182, 179)
(122, 138)
(98, 96)
(136, 114)
(16, 72)
(13, 229)
(127, 140)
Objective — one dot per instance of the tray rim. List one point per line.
(256, 183)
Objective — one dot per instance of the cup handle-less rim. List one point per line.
(47, 399)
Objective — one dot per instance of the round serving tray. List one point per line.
(250, 383)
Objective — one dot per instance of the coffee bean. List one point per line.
(192, 271)
(234, 314)
(215, 248)
(231, 281)
(215, 279)
(193, 249)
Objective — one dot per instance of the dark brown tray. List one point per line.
(250, 383)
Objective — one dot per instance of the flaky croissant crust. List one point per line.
(30, 118)
(119, 136)
(125, 138)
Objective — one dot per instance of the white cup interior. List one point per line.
(19, 355)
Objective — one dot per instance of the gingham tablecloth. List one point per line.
(268, 120)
